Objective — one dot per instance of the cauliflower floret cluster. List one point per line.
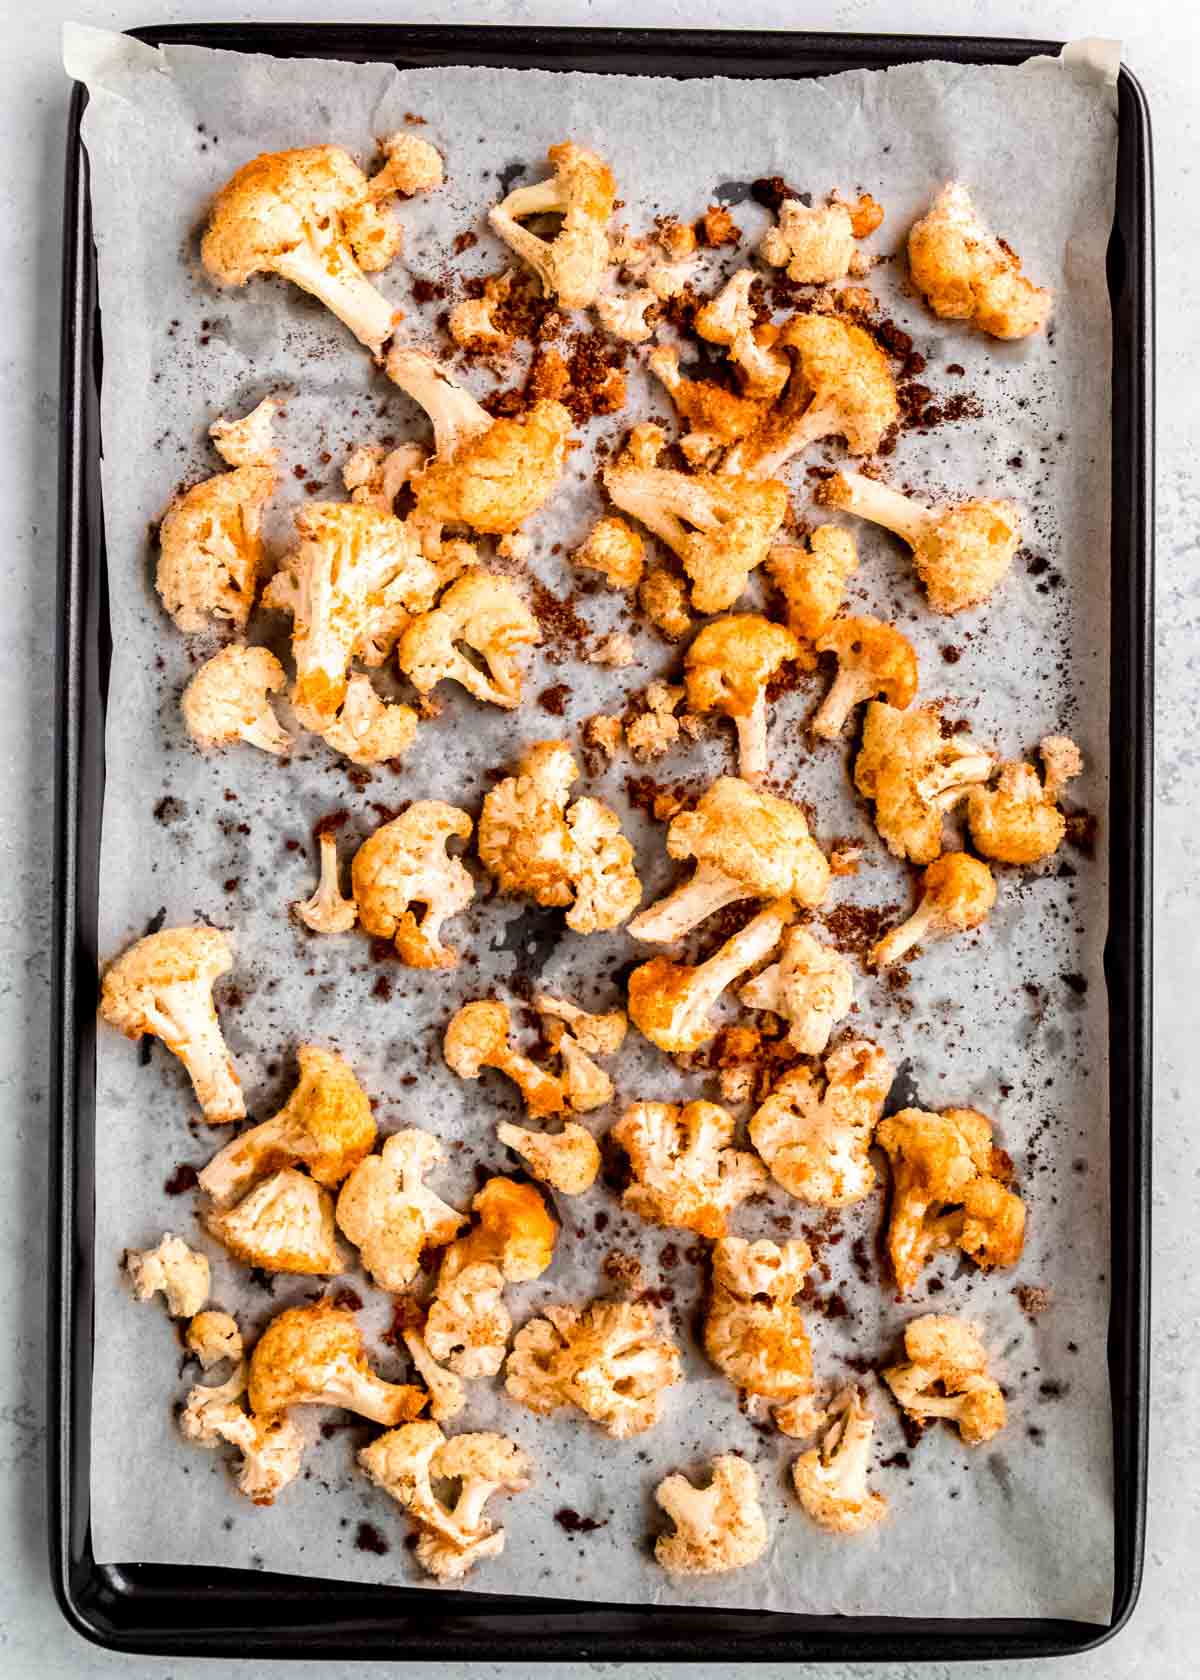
(728, 668)
(285, 1224)
(754, 1332)
(811, 986)
(671, 1003)
(967, 274)
(607, 1359)
(484, 614)
(271, 1448)
(571, 265)
(915, 774)
(717, 1528)
(178, 1272)
(405, 862)
(957, 893)
(946, 1375)
(816, 244)
(831, 1480)
(1018, 821)
(815, 1140)
(390, 1214)
(314, 1356)
(686, 1174)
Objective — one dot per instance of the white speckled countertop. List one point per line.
(1162, 43)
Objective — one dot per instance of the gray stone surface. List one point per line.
(1162, 43)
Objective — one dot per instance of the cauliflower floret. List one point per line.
(405, 862)
(663, 598)
(367, 730)
(967, 274)
(327, 911)
(271, 1448)
(614, 549)
(210, 549)
(285, 1224)
(468, 1325)
(754, 1332)
(813, 583)
(412, 166)
(605, 1358)
(473, 322)
(248, 441)
(587, 1085)
(961, 550)
(946, 1375)
(599, 1035)
(568, 1160)
(717, 1528)
(732, 519)
(1018, 821)
(451, 1538)
(947, 1191)
(571, 265)
(607, 888)
(915, 775)
(624, 314)
(686, 1175)
(163, 986)
(957, 892)
(226, 700)
(390, 1214)
(728, 668)
(815, 1142)
(484, 613)
(179, 1272)
(313, 1356)
(478, 1037)
(214, 1337)
(747, 844)
(615, 650)
(310, 216)
(831, 1480)
(715, 416)
(447, 1396)
(670, 1002)
(656, 730)
(516, 1233)
(326, 1126)
(816, 246)
(874, 659)
(375, 476)
(811, 987)
(730, 318)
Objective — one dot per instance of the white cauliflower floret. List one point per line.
(607, 889)
(813, 582)
(568, 1160)
(729, 318)
(946, 1375)
(686, 1175)
(468, 1325)
(816, 245)
(599, 1035)
(967, 274)
(248, 442)
(327, 911)
(313, 1356)
(473, 324)
(210, 549)
(717, 1528)
(605, 1358)
(285, 1224)
(485, 614)
(368, 730)
(811, 987)
(478, 1037)
(271, 1448)
(214, 1337)
(163, 986)
(815, 1141)
(447, 1396)
(177, 1271)
(655, 731)
(754, 1332)
(1018, 821)
(375, 476)
(624, 314)
(670, 1003)
(405, 862)
(390, 1214)
(572, 264)
(587, 1085)
(227, 700)
(831, 1480)
(728, 668)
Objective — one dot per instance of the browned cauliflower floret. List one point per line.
(599, 1035)
(874, 659)
(485, 614)
(405, 862)
(653, 732)
(568, 1160)
(585, 1082)
(375, 475)
(605, 1358)
(948, 1191)
(747, 844)
(313, 1356)
(946, 1375)
(390, 1214)
(516, 1232)
(727, 670)
(614, 549)
(715, 416)
(813, 582)
(478, 1037)
(474, 323)
(179, 1272)
(210, 548)
(326, 1126)
(967, 274)
(670, 1002)
(961, 551)
(717, 1528)
(451, 1539)
(754, 1332)
(327, 911)
(915, 775)
(572, 264)
(163, 986)
(227, 700)
(368, 730)
(720, 527)
(730, 318)
(271, 1448)
(468, 1325)
(815, 1141)
(831, 1480)
(811, 987)
(214, 1337)
(686, 1175)
(957, 892)
(1018, 821)
(663, 598)
(411, 166)
(310, 216)
(285, 1224)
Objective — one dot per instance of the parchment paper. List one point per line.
(1021, 1526)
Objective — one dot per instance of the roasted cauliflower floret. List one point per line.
(599, 1035)
(815, 1141)
(313, 1356)
(607, 888)
(606, 1358)
(831, 1480)
(227, 700)
(727, 670)
(180, 1273)
(813, 583)
(715, 417)
(747, 844)
(271, 1448)
(815, 245)
(717, 1528)
(946, 1375)
(310, 216)
(1018, 821)
(948, 1191)
(686, 1175)
(484, 613)
(475, 323)
(811, 986)
(479, 1037)
(663, 598)
(516, 1233)
(447, 1396)
(451, 1539)
(915, 775)
(405, 862)
(163, 986)
(957, 892)
(585, 1082)
(411, 165)
(568, 1160)
(571, 265)
(367, 730)
(670, 1002)
(468, 1325)
(754, 1332)
(327, 911)
(614, 549)
(210, 549)
(961, 551)
(874, 660)
(248, 441)
(326, 1126)
(967, 274)
(285, 1224)
(214, 1337)
(624, 314)
(730, 319)
(390, 1214)
(375, 475)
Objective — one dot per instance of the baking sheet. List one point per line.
(1012, 1022)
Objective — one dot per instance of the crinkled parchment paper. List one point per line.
(1019, 1527)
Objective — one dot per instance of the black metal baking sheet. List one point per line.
(178, 1611)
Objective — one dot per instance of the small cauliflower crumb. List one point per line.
(614, 549)
(663, 597)
(473, 324)
(615, 650)
(214, 1337)
(605, 732)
